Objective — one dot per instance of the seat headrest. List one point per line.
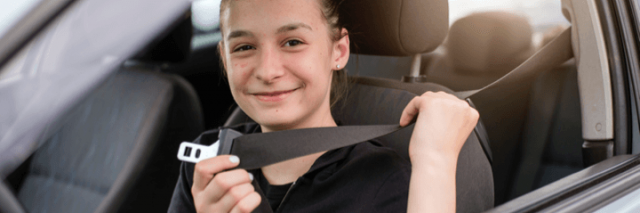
(395, 27)
(485, 42)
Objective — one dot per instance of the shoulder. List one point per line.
(373, 152)
(375, 159)
(387, 174)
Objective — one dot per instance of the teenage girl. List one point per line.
(284, 60)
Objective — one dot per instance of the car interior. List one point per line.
(116, 150)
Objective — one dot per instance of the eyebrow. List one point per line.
(283, 29)
(292, 27)
(239, 33)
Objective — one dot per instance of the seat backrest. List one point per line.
(115, 150)
(382, 102)
(113, 147)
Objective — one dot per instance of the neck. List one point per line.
(289, 170)
(318, 120)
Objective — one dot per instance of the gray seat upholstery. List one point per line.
(115, 151)
(474, 179)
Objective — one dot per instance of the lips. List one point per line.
(273, 96)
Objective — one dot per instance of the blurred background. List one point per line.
(541, 14)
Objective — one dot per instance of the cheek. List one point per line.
(310, 66)
(238, 75)
(240, 65)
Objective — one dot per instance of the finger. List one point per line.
(206, 169)
(410, 111)
(233, 196)
(247, 204)
(224, 182)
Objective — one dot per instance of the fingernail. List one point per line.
(234, 159)
(251, 176)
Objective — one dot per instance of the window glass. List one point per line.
(543, 15)
(206, 24)
(11, 11)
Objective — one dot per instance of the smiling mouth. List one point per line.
(273, 96)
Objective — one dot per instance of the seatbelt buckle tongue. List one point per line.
(225, 139)
(194, 153)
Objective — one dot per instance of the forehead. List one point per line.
(268, 15)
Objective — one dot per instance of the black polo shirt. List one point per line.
(365, 177)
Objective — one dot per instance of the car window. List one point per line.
(542, 14)
(206, 23)
(11, 11)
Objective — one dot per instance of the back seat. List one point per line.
(479, 49)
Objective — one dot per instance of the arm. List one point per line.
(443, 124)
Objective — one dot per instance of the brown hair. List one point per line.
(339, 81)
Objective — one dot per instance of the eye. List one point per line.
(292, 43)
(243, 48)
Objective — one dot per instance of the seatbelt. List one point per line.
(258, 150)
(556, 52)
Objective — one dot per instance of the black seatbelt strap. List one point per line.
(556, 52)
(259, 150)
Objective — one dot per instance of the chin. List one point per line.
(277, 122)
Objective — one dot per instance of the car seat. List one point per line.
(115, 151)
(479, 49)
(403, 28)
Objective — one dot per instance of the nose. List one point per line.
(270, 66)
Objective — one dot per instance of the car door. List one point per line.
(612, 183)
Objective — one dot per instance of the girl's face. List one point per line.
(279, 59)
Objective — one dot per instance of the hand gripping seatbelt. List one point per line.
(259, 150)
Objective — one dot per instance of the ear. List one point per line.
(341, 50)
(223, 55)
